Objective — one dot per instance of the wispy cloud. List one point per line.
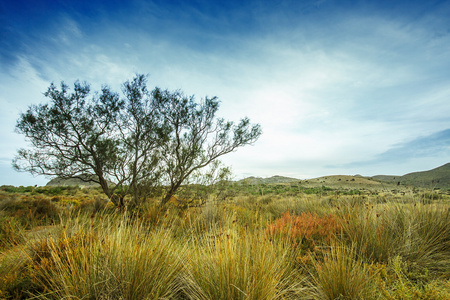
(349, 85)
(434, 147)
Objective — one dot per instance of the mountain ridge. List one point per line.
(438, 177)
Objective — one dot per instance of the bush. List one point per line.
(31, 211)
(11, 232)
(307, 229)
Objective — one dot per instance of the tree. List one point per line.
(73, 136)
(139, 141)
(211, 182)
(197, 138)
(142, 132)
(102, 139)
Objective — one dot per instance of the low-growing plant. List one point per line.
(307, 229)
(31, 211)
(396, 283)
(11, 232)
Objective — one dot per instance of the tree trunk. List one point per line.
(170, 193)
(105, 187)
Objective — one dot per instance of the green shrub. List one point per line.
(31, 211)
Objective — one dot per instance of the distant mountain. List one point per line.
(435, 178)
(74, 181)
(344, 181)
(269, 180)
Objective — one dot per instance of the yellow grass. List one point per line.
(387, 246)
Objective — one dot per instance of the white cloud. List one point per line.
(336, 91)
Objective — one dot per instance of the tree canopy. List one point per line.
(140, 140)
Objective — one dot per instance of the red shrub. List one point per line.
(308, 228)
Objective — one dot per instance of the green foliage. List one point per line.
(141, 141)
(394, 281)
(196, 138)
(20, 189)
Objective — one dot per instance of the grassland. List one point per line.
(260, 241)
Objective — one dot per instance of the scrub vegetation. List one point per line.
(279, 241)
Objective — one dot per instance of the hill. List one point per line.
(73, 182)
(342, 181)
(436, 178)
(269, 180)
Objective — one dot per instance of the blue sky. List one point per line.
(339, 87)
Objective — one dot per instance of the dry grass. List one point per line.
(368, 246)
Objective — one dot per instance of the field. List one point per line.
(308, 240)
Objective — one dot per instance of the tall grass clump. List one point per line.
(339, 275)
(376, 234)
(115, 258)
(212, 216)
(428, 238)
(419, 233)
(230, 263)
